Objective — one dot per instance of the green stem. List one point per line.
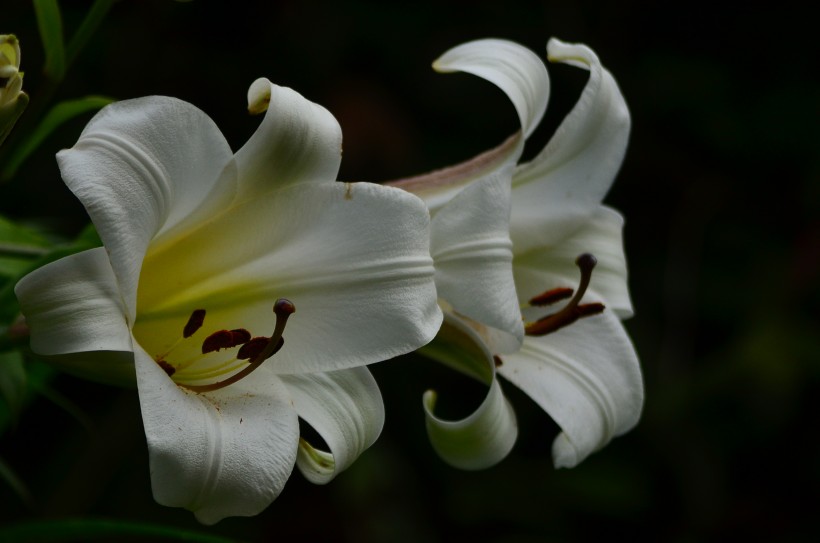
(89, 25)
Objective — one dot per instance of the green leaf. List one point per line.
(50, 24)
(12, 382)
(38, 375)
(45, 531)
(59, 114)
(13, 266)
(9, 308)
(20, 240)
(16, 484)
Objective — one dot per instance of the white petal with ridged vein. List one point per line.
(140, 168)
(353, 258)
(345, 408)
(586, 376)
(486, 436)
(73, 305)
(556, 192)
(297, 142)
(543, 269)
(222, 453)
(516, 70)
(472, 254)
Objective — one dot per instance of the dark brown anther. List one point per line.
(252, 348)
(222, 339)
(194, 323)
(596, 308)
(240, 336)
(497, 361)
(551, 296)
(225, 339)
(574, 310)
(168, 368)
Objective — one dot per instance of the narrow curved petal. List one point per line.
(472, 254)
(523, 77)
(345, 407)
(140, 168)
(438, 187)
(353, 258)
(73, 305)
(297, 142)
(540, 269)
(218, 454)
(485, 437)
(514, 69)
(562, 186)
(586, 376)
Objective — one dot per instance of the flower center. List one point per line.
(573, 311)
(251, 353)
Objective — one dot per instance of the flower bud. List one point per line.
(12, 99)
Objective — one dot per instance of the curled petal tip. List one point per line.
(259, 96)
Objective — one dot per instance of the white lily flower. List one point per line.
(584, 372)
(199, 245)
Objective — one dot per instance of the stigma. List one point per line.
(251, 351)
(574, 309)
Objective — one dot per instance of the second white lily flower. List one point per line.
(506, 238)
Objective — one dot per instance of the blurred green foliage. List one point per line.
(721, 193)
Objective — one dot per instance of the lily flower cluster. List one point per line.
(244, 291)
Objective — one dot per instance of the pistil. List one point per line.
(574, 310)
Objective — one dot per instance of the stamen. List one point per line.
(572, 311)
(194, 323)
(254, 348)
(225, 339)
(551, 296)
(283, 309)
(169, 369)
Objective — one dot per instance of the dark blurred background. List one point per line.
(720, 189)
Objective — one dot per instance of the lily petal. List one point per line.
(563, 185)
(140, 168)
(587, 377)
(485, 437)
(297, 142)
(218, 454)
(472, 253)
(438, 187)
(539, 269)
(73, 305)
(345, 407)
(516, 70)
(353, 258)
